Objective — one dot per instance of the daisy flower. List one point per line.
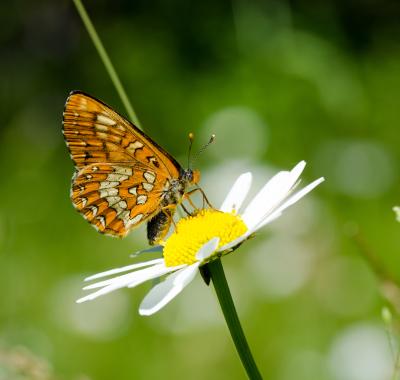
(203, 237)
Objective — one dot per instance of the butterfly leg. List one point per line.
(185, 209)
(169, 212)
(205, 198)
(189, 193)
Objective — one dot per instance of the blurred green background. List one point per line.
(277, 82)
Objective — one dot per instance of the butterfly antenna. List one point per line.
(205, 146)
(191, 138)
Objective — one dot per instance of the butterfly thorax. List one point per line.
(177, 186)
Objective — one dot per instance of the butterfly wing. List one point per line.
(122, 174)
(95, 133)
(115, 198)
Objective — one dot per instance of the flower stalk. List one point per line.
(221, 287)
(107, 62)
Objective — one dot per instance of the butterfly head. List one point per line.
(191, 177)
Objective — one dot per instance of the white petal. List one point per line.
(233, 243)
(274, 214)
(130, 279)
(167, 290)
(237, 194)
(270, 218)
(124, 269)
(207, 249)
(293, 199)
(156, 248)
(271, 195)
(297, 170)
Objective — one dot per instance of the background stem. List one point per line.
(228, 308)
(107, 62)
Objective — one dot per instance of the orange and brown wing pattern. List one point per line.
(115, 198)
(95, 133)
(122, 175)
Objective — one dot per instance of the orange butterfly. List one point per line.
(122, 177)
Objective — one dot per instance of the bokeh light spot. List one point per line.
(361, 352)
(229, 126)
(279, 266)
(356, 168)
(103, 319)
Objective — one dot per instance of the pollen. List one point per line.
(194, 231)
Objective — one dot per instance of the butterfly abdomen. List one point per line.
(158, 226)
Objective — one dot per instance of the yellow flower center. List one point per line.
(194, 231)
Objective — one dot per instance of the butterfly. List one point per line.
(123, 178)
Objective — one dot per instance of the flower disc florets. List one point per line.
(192, 232)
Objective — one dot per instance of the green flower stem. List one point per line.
(217, 274)
(107, 62)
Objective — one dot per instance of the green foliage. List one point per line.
(307, 82)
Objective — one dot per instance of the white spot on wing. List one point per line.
(102, 220)
(116, 177)
(149, 176)
(113, 200)
(131, 148)
(136, 219)
(141, 199)
(123, 170)
(153, 160)
(167, 185)
(105, 120)
(124, 216)
(101, 128)
(120, 207)
(94, 210)
(101, 135)
(123, 204)
(108, 184)
(147, 186)
(133, 190)
(108, 192)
